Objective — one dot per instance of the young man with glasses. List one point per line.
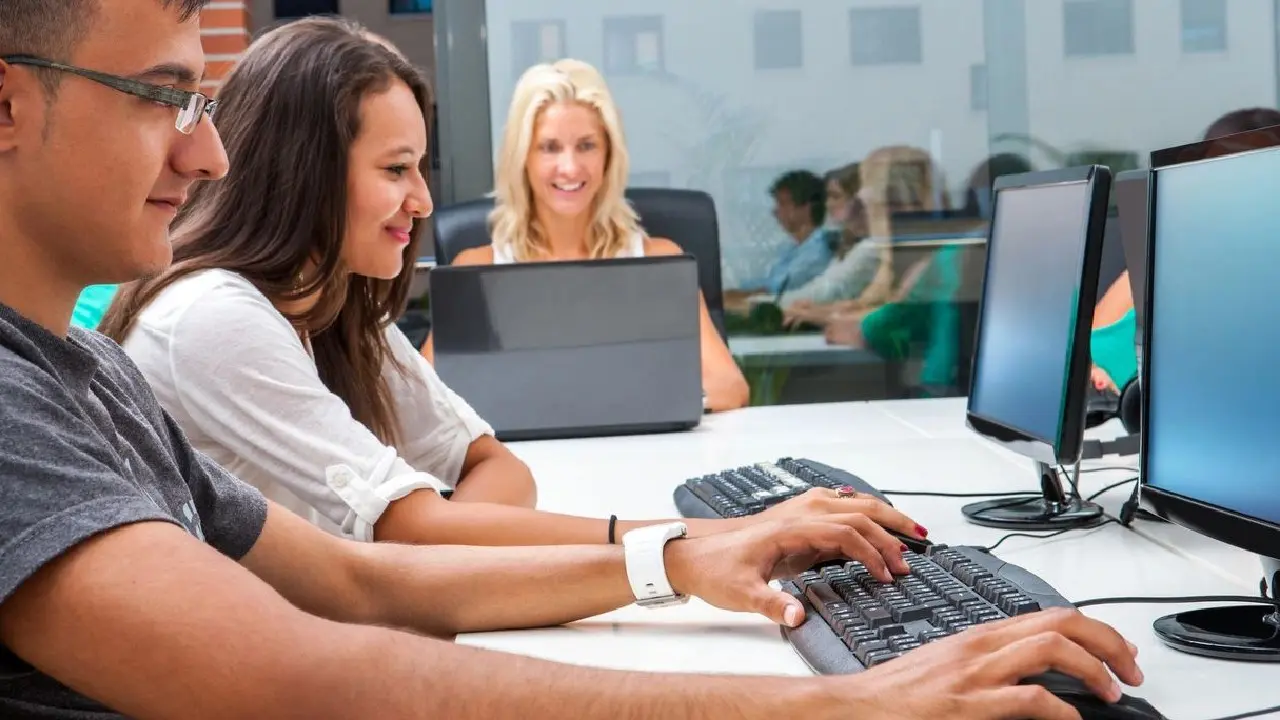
(138, 579)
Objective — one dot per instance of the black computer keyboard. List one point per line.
(752, 489)
(854, 621)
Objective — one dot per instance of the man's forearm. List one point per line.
(446, 590)
(453, 589)
(397, 676)
(503, 480)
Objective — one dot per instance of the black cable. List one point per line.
(1022, 494)
(1252, 713)
(913, 493)
(1044, 536)
(1109, 488)
(1073, 480)
(1185, 600)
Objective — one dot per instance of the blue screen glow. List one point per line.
(1214, 413)
(1029, 301)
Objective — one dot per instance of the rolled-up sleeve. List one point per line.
(437, 426)
(246, 382)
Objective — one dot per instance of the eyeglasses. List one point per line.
(191, 105)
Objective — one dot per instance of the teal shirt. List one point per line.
(92, 305)
(1114, 350)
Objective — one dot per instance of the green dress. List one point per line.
(92, 305)
(928, 316)
(1113, 349)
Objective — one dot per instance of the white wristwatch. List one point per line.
(646, 568)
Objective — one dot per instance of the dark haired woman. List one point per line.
(270, 340)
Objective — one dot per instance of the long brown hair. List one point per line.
(288, 115)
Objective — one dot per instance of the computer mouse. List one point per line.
(1090, 706)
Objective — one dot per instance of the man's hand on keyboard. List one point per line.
(732, 570)
(974, 675)
(820, 501)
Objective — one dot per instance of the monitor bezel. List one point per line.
(1067, 447)
(1248, 533)
(1136, 266)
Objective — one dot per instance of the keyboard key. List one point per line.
(854, 638)
(909, 613)
(806, 578)
(879, 658)
(1019, 605)
(888, 631)
(824, 599)
(903, 643)
(708, 494)
(877, 616)
(845, 620)
(871, 646)
(930, 635)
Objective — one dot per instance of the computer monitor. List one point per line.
(1031, 359)
(1211, 388)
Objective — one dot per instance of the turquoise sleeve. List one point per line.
(92, 305)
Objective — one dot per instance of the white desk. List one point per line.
(904, 445)
(804, 349)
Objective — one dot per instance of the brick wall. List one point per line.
(224, 31)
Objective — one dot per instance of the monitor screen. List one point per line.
(1212, 411)
(1030, 300)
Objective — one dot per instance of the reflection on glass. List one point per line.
(727, 97)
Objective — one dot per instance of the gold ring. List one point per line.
(846, 491)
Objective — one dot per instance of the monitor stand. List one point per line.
(1230, 632)
(1055, 509)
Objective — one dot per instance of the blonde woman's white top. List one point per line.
(844, 279)
(502, 254)
(245, 389)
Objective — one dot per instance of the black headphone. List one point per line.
(1130, 409)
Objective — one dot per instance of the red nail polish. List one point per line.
(921, 531)
(905, 548)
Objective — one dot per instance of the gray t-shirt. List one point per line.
(84, 448)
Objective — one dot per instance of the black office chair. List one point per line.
(461, 227)
(687, 217)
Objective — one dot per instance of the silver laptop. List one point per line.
(572, 349)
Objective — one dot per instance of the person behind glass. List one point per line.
(922, 312)
(856, 263)
(561, 172)
(894, 179)
(799, 208)
(270, 342)
(979, 188)
(1115, 326)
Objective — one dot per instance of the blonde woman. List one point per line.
(562, 168)
(893, 179)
